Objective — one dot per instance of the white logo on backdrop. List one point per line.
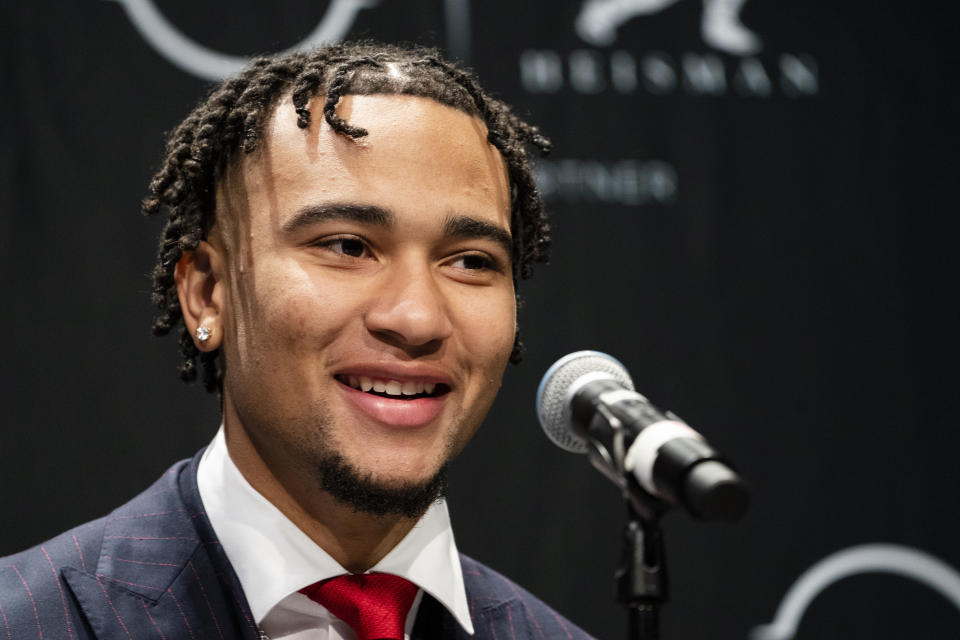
(206, 63)
(625, 71)
(720, 24)
(869, 558)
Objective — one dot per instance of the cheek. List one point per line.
(292, 313)
(489, 325)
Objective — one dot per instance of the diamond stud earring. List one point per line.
(203, 333)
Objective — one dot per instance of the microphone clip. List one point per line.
(608, 456)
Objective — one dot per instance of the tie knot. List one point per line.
(374, 604)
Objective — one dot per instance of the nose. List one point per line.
(409, 310)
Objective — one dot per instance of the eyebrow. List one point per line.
(467, 227)
(362, 213)
(457, 226)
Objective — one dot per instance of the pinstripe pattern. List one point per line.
(502, 610)
(154, 569)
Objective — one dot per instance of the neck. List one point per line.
(356, 540)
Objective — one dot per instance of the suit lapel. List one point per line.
(494, 616)
(499, 609)
(161, 571)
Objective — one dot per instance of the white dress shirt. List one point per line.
(274, 559)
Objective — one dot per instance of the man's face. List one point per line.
(382, 261)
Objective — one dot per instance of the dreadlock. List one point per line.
(230, 122)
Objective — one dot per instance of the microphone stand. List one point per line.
(642, 584)
(641, 578)
(642, 575)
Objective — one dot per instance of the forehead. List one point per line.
(419, 157)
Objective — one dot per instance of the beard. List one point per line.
(361, 491)
(310, 443)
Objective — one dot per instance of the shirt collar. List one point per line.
(274, 558)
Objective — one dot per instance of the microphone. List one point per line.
(587, 404)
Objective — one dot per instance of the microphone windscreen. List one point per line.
(561, 381)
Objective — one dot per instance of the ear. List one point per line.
(201, 287)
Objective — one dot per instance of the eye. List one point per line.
(475, 262)
(348, 246)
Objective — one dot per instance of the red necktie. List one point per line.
(374, 604)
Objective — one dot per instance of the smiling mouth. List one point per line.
(394, 389)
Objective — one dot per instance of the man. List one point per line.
(346, 230)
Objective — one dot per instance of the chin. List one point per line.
(379, 496)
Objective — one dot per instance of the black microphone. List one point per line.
(587, 404)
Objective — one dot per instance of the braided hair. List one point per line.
(230, 122)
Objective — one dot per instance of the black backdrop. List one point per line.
(764, 238)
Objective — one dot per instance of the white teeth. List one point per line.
(394, 388)
(390, 387)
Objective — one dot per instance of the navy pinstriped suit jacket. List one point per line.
(154, 569)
